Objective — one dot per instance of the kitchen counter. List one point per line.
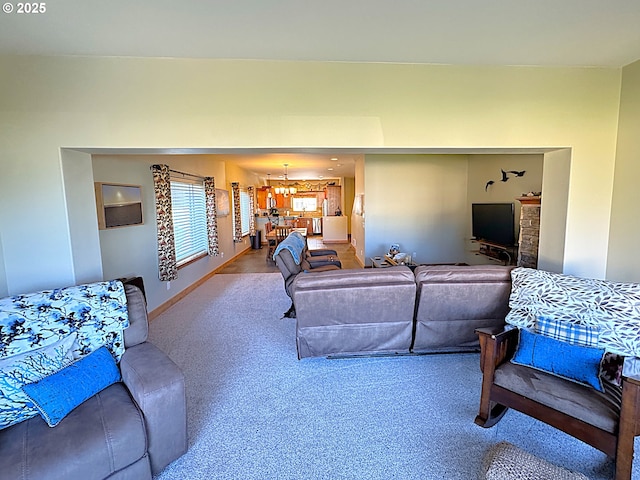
(334, 229)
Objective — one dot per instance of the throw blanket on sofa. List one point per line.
(96, 313)
(295, 243)
(612, 308)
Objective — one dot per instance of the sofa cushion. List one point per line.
(613, 308)
(102, 436)
(360, 311)
(454, 300)
(18, 370)
(595, 408)
(58, 394)
(574, 362)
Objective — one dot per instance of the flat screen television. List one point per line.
(493, 223)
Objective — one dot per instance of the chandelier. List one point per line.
(286, 190)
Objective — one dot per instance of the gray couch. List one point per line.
(317, 260)
(396, 311)
(452, 301)
(354, 311)
(130, 430)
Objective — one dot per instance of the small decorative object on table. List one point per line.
(394, 249)
(400, 258)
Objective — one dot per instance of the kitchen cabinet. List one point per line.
(262, 197)
(282, 201)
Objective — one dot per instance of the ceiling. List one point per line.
(461, 32)
(592, 33)
(300, 166)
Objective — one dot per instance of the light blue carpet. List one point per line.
(256, 412)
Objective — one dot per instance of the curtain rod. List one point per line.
(183, 173)
(187, 174)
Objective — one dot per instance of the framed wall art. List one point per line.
(222, 202)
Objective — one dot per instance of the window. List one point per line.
(189, 219)
(304, 204)
(244, 211)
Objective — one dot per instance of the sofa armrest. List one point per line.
(323, 268)
(157, 386)
(318, 252)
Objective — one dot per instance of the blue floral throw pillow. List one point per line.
(18, 370)
(573, 362)
(58, 394)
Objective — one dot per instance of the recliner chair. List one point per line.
(318, 260)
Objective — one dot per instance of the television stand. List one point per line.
(502, 253)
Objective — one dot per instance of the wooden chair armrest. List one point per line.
(497, 345)
(494, 331)
(635, 381)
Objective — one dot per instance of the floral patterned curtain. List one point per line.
(237, 217)
(167, 266)
(212, 221)
(252, 210)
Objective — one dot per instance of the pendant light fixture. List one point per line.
(286, 190)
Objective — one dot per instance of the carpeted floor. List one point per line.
(256, 412)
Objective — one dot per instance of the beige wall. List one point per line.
(483, 168)
(51, 103)
(130, 251)
(424, 202)
(348, 189)
(358, 221)
(418, 201)
(624, 263)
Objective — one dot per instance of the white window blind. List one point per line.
(189, 219)
(244, 211)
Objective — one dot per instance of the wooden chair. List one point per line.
(279, 234)
(615, 438)
(282, 233)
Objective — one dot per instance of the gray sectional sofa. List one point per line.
(398, 311)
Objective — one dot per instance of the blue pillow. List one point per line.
(573, 362)
(57, 395)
